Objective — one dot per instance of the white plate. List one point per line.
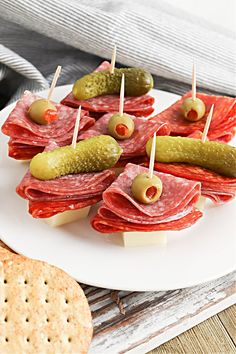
(201, 253)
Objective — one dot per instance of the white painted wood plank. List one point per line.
(153, 318)
(177, 330)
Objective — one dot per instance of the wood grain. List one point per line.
(209, 337)
(228, 319)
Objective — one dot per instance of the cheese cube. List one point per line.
(137, 238)
(67, 216)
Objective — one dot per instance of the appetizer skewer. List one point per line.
(67, 179)
(113, 60)
(120, 212)
(193, 108)
(188, 115)
(209, 162)
(27, 138)
(43, 111)
(131, 132)
(108, 101)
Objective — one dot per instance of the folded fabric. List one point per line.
(154, 35)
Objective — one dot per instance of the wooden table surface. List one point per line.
(217, 335)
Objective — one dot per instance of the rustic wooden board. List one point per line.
(209, 337)
(152, 318)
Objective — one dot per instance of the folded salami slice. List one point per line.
(71, 192)
(135, 145)
(175, 210)
(219, 189)
(28, 137)
(223, 122)
(139, 106)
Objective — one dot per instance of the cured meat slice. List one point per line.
(71, 192)
(175, 210)
(223, 122)
(28, 136)
(139, 106)
(219, 189)
(105, 65)
(135, 145)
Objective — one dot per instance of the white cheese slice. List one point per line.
(137, 238)
(67, 216)
(200, 205)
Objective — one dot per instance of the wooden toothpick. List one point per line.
(76, 130)
(113, 60)
(122, 94)
(207, 125)
(194, 82)
(152, 156)
(54, 82)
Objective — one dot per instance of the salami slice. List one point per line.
(71, 192)
(219, 189)
(223, 122)
(175, 210)
(135, 145)
(28, 136)
(139, 106)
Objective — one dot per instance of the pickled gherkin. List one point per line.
(137, 83)
(91, 155)
(215, 156)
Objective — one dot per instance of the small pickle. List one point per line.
(145, 189)
(215, 156)
(42, 111)
(137, 83)
(121, 126)
(91, 155)
(193, 110)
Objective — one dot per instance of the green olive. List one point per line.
(121, 126)
(193, 110)
(42, 111)
(145, 189)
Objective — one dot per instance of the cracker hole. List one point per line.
(69, 339)
(26, 320)
(47, 319)
(27, 339)
(66, 301)
(5, 281)
(46, 300)
(26, 300)
(45, 282)
(49, 340)
(5, 319)
(25, 282)
(68, 320)
(6, 339)
(6, 300)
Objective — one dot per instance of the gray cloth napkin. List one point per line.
(38, 35)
